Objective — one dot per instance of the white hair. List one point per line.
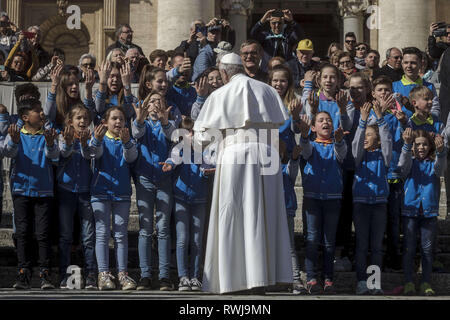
(87, 55)
(231, 69)
(34, 27)
(193, 23)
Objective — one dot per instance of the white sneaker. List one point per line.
(196, 284)
(184, 284)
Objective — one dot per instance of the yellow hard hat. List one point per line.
(305, 45)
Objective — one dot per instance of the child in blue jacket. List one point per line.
(152, 130)
(113, 151)
(74, 176)
(372, 150)
(32, 152)
(322, 189)
(190, 191)
(422, 171)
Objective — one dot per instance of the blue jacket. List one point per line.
(432, 124)
(190, 183)
(74, 172)
(422, 185)
(370, 184)
(31, 166)
(205, 59)
(111, 177)
(322, 174)
(182, 98)
(153, 143)
(290, 171)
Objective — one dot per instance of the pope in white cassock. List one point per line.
(248, 239)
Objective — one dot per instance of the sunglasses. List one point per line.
(397, 57)
(361, 48)
(345, 62)
(88, 65)
(350, 41)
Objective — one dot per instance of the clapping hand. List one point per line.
(408, 136)
(295, 106)
(296, 151)
(313, 101)
(68, 135)
(202, 87)
(50, 136)
(166, 166)
(439, 143)
(100, 131)
(84, 137)
(124, 135)
(304, 125)
(365, 111)
(342, 101)
(14, 133)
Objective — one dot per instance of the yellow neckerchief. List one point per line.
(185, 86)
(324, 141)
(109, 135)
(25, 131)
(407, 82)
(419, 122)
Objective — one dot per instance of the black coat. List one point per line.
(124, 48)
(444, 91)
(394, 75)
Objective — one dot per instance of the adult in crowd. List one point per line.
(43, 56)
(436, 49)
(207, 57)
(304, 63)
(281, 39)
(444, 100)
(43, 74)
(393, 69)
(124, 40)
(332, 48)
(87, 62)
(159, 58)
(372, 62)
(8, 36)
(198, 37)
(350, 43)
(251, 53)
(248, 228)
(22, 61)
(137, 63)
(361, 50)
(347, 67)
(116, 55)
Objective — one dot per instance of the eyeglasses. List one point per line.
(361, 48)
(350, 41)
(129, 31)
(88, 65)
(397, 57)
(251, 53)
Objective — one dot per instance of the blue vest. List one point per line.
(183, 98)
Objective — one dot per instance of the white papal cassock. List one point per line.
(248, 239)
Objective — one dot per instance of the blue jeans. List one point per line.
(120, 211)
(69, 204)
(370, 224)
(322, 219)
(190, 224)
(394, 207)
(412, 227)
(148, 195)
(295, 264)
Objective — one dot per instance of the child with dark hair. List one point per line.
(190, 191)
(422, 163)
(32, 151)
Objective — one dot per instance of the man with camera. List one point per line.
(198, 37)
(281, 39)
(124, 35)
(437, 30)
(8, 37)
(207, 57)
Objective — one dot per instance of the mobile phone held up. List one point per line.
(278, 14)
(199, 28)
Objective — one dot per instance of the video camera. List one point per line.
(441, 31)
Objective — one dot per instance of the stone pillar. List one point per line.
(109, 22)
(352, 14)
(404, 23)
(175, 17)
(237, 12)
(14, 8)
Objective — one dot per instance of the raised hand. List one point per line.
(202, 86)
(339, 134)
(365, 111)
(164, 112)
(288, 15)
(125, 74)
(50, 136)
(401, 116)
(104, 71)
(124, 135)
(90, 79)
(439, 143)
(100, 131)
(377, 109)
(186, 65)
(166, 166)
(408, 136)
(14, 133)
(386, 103)
(304, 125)
(295, 106)
(313, 101)
(55, 74)
(267, 16)
(84, 137)
(142, 111)
(68, 135)
(310, 75)
(342, 101)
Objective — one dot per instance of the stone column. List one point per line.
(175, 17)
(352, 14)
(237, 12)
(404, 23)
(14, 8)
(109, 22)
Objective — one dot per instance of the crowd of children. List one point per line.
(364, 154)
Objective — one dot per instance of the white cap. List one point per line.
(231, 58)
